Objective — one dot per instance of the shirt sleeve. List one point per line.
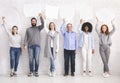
(62, 29)
(113, 30)
(40, 27)
(57, 43)
(26, 38)
(76, 42)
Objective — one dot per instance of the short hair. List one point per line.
(50, 24)
(33, 19)
(69, 24)
(89, 25)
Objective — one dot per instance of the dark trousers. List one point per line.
(69, 56)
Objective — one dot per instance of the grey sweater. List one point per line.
(32, 36)
(105, 39)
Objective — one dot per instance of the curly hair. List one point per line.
(89, 25)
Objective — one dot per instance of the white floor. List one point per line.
(60, 79)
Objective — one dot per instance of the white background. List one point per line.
(13, 10)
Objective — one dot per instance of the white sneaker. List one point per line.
(50, 74)
(90, 74)
(84, 74)
(53, 74)
(105, 75)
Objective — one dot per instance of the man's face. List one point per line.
(69, 27)
(33, 22)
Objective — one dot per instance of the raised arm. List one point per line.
(113, 30)
(5, 25)
(96, 26)
(80, 26)
(62, 29)
(40, 27)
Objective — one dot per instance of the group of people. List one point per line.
(71, 44)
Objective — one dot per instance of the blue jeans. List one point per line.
(34, 53)
(14, 57)
(52, 62)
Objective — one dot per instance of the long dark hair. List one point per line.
(13, 29)
(107, 31)
(89, 25)
(50, 24)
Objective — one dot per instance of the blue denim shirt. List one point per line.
(90, 39)
(70, 39)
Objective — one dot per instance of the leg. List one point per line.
(18, 52)
(66, 61)
(84, 56)
(52, 62)
(89, 55)
(72, 56)
(104, 59)
(31, 58)
(107, 53)
(12, 58)
(37, 54)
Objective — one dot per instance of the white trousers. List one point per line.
(87, 59)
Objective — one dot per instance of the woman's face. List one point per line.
(104, 29)
(15, 30)
(86, 29)
(52, 26)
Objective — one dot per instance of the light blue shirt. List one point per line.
(70, 39)
(90, 39)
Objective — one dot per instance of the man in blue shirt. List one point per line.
(70, 47)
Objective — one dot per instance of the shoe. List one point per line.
(90, 74)
(36, 74)
(30, 74)
(105, 75)
(65, 74)
(11, 74)
(50, 74)
(53, 74)
(72, 74)
(84, 73)
(15, 74)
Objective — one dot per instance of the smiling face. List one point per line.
(69, 27)
(86, 29)
(51, 26)
(14, 30)
(33, 21)
(104, 28)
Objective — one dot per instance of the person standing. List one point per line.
(70, 47)
(32, 42)
(87, 46)
(52, 46)
(104, 45)
(15, 41)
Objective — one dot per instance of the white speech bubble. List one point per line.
(105, 15)
(51, 12)
(67, 12)
(32, 10)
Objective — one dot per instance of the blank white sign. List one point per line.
(51, 12)
(32, 10)
(86, 12)
(105, 14)
(67, 12)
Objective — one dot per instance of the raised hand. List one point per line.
(81, 21)
(97, 18)
(64, 20)
(40, 14)
(3, 19)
